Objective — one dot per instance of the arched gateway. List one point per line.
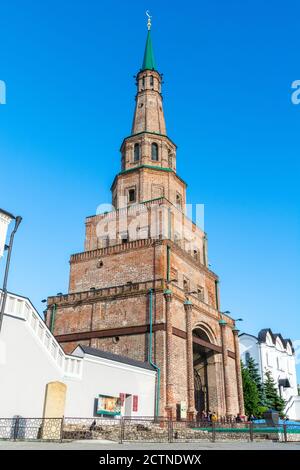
(204, 362)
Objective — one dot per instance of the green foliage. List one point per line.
(272, 398)
(251, 395)
(258, 396)
(252, 367)
(261, 411)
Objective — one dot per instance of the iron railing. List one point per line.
(142, 429)
(19, 428)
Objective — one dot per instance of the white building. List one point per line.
(30, 358)
(275, 354)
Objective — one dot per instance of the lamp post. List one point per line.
(235, 328)
(5, 219)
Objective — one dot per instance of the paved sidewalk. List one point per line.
(108, 445)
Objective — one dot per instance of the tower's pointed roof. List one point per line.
(149, 61)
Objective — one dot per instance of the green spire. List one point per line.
(149, 61)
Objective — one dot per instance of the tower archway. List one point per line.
(204, 363)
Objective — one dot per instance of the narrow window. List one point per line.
(154, 152)
(131, 195)
(151, 81)
(178, 201)
(136, 155)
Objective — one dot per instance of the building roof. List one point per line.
(248, 334)
(262, 337)
(8, 214)
(114, 357)
(149, 61)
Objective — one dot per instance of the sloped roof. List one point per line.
(115, 357)
(149, 61)
(263, 334)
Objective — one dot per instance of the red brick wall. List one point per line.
(133, 265)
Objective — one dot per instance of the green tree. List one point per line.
(272, 397)
(251, 395)
(252, 367)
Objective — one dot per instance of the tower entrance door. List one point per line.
(204, 373)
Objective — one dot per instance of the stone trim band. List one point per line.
(136, 330)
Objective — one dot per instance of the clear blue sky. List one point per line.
(228, 68)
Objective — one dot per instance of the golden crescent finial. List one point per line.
(149, 20)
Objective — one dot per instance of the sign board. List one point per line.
(107, 405)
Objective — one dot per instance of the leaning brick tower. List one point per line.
(142, 287)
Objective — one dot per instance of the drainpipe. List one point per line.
(157, 398)
(53, 314)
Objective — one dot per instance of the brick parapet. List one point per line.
(133, 289)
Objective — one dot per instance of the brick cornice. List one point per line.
(99, 295)
(156, 134)
(115, 249)
(147, 168)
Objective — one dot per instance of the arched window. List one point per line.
(151, 80)
(136, 153)
(154, 152)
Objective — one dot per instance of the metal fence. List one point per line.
(142, 430)
(20, 428)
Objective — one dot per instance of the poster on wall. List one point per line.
(107, 405)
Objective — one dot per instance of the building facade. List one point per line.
(31, 359)
(275, 354)
(142, 287)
